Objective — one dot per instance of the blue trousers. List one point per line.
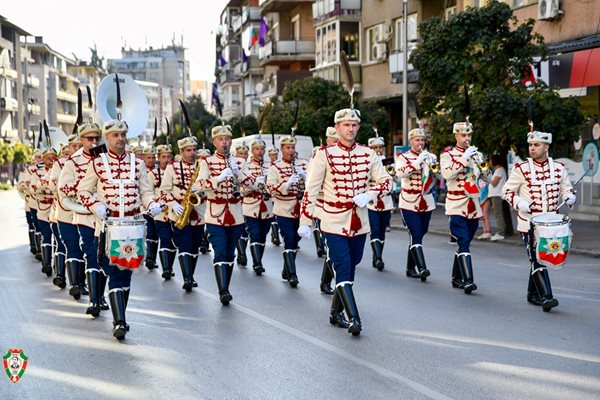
(379, 221)
(34, 219)
(165, 234)
(463, 229)
(60, 246)
(345, 254)
(289, 230)
(258, 229)
(417, 224)
(187, 240)
(46, 231)
(29, 220)
(89, 246)
(117, 278)
(151, 233)
(70, 237)
(224, 240)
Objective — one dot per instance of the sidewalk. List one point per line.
(586, 234)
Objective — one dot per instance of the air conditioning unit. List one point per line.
(384, 33)
(379, 51)
(549, 9)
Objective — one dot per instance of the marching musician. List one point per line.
(343, 173)
(81, 244)
(138, 151)
(380, 210)
(219, 178)
(203, 154)
(30, 201)
(416, 199)
(178, 182)
(62, 214)
(462, 172)
(535, 187)
(149, 157)
(331, 138)
(40, 180)
(273, 153)
(241, 152)
(285, 181)
(166, 252)
(117, 185)
(256, 205)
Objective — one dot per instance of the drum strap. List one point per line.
(120, 182)
(543, 183)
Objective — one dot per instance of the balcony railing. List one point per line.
(396, 61)
(330, 8)
(62, 95)
(287, 48)
(279, 5)
(250, 14)
(33, 109)
(8, 72)
(228, 76)
(8, 104)
(66, 118)
(333, 72)
(236, 23)
(252, 63)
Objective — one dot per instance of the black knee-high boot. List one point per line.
(32, 245)
(347, 295)
(289, 257)
(117, 305)
(73, 273)
(326, 277)
(194, 261)
(457, 280)
(541, 280)
(101, 288)
(222, 276)
(318, 243)
(466, 270)
(39, 239)
(204, 244)
(275, 239)
(185, 262)
(47, 253)
(336, 315)
(165, 260)
(410, 265)
(377, 247)
(82, 279)
(416, 251)
(94, 304)
(59, 266)
(257, 250)
(152, 249)
(242, 259)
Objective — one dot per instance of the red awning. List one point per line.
(585, 71)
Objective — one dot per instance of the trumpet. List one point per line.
(481, 161)
(433, 163)
(261, 187)
(234, 179)
(390, 166)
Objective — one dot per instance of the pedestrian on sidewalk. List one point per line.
(501, 207)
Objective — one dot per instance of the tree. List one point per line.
(317, 100)
(22, 153)
(6, 153)
(200, 123)
(472, 65)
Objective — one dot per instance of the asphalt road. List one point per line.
(420, 340)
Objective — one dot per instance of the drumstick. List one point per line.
(575, 184)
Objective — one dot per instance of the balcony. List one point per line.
(228, 76)
(250, 14)
(62, 95)
(65, 118)
(323, 9)
(232, 111)
(333, 73)
(396, 65)
(236, 24)
(274, 84)
(267, 6)
(252, 65)
(33, 82)
(8, 72)
(33, 109)
(287, 50)
(9, 104)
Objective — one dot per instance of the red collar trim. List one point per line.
(344, 147)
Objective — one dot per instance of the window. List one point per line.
(349, 40)
(296, 27)
(326, 47)
(399, 31)
(370, 42)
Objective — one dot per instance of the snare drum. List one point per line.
(551, 238)
(125, 242)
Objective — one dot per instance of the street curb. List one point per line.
(581, 252)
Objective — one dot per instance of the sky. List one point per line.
(72, 27)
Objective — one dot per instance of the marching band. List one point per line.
(95, 215)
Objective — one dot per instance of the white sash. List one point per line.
(120, 182)
(544, 182)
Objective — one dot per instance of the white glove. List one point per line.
(226, 173)
(362, 199)
(422, 157)
(234, 166)
(195, 188)
(154, 209)
(469, 152)
(292, 180)
(102, 211)
(300, 172)
(177, 209)
(570, 199)
(260, 180)
(523, 206)
(304, 231)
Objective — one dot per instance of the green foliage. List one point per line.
(6, 153)
(5, 186)
(200, 123)
(317, 100)
(471, 65)
(22, 153)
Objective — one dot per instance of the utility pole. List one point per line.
(404, 73)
